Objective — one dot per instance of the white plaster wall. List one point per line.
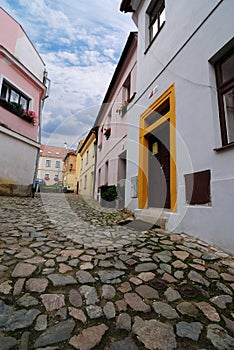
(116, 144)
(197, 120)
(17, 160)
(27, 54)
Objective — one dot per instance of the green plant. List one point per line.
(109, 193)
(17, 107)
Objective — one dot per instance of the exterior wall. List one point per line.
(109, 167)
(20, 65)
(53, 154)
(20, 80)
(19, 159)
(69, 171)
(78, 165)
(168, 61)
(19, 45)
(52, 171)
(87, 167)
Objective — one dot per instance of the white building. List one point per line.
(50, 168)
(183, 156)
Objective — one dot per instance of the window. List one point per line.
(197, 187)
(47, 176)
(87, 157)
(127, 88)
(225, 88)
(159, 112)
(57, 164)
(48, 163)
(85, 181)
(56, 178)
(11, 94)
(156, 17)
(106, 172)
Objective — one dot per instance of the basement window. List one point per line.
(197, 188)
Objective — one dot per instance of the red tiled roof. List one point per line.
(52, 151)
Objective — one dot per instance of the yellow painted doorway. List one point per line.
(157, 154)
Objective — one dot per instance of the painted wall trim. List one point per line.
(143, 149)
(19, 137)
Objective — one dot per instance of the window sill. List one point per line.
(223, 148)
(11, 109)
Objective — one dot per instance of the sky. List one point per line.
(80, 42)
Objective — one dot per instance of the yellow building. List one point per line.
(69, 172)
(78, 164)
(87, 155)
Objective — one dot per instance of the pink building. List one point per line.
(112, 123)
(22, 89)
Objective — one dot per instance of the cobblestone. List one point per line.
(71, 278)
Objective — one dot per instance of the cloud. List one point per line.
(80, 43)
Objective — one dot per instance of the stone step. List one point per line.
(153, 216)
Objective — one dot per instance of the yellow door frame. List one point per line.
(143, 148)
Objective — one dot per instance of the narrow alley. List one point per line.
(72, 277)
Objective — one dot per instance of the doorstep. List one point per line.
(154, 216)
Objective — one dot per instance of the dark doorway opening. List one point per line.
(159, 167)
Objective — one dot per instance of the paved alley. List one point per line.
(72, 277)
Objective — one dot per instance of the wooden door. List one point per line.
(159, 167)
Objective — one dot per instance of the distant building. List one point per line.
(78, 165)
(50, 167)
(69, 171)
(22, 91)
(87, 152)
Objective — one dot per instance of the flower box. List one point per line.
(16, 108)
(107, 133)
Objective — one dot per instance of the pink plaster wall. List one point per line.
(22, 82)
(12, 31)
(17, 77)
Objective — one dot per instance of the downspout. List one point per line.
(95, 159)
(45, 81)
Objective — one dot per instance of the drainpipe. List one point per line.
(95, 159)
(46, 82)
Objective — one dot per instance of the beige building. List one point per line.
(50, 167)
(87, 154)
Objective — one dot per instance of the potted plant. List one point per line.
(108, 195)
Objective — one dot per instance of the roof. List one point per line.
(52, 151)
(92, 131)
(132, 36)
(125, 6)
(70, 153)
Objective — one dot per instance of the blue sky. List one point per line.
(80, 42)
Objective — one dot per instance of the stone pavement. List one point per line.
(71, 278)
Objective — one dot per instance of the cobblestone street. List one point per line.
(71, 278)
